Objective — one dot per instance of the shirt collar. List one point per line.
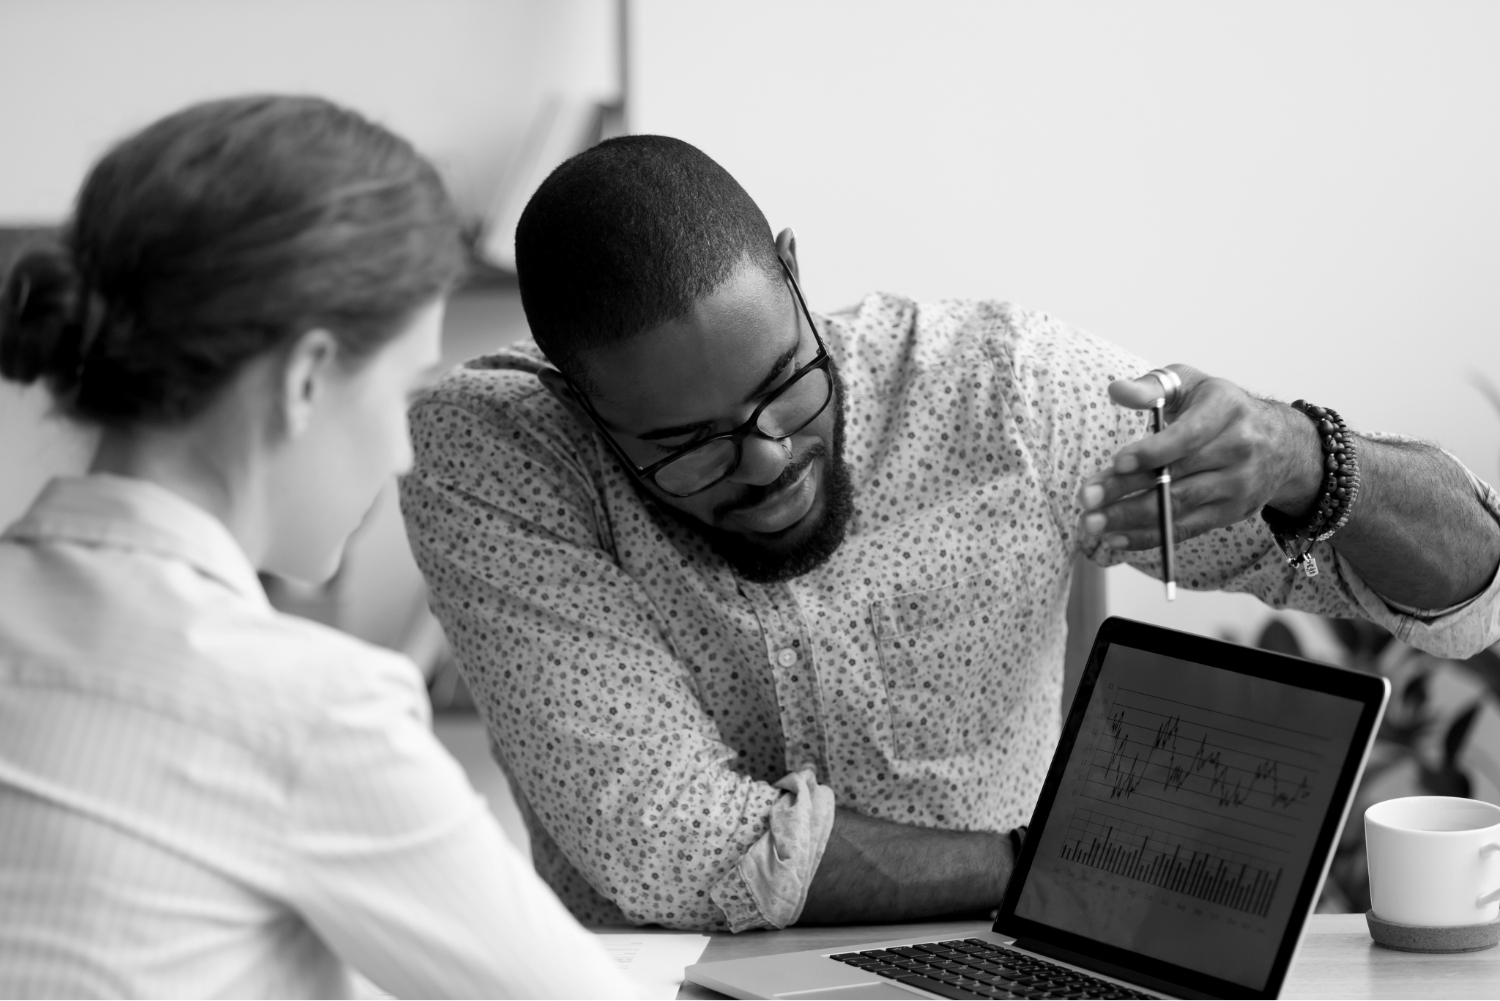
(125, 513)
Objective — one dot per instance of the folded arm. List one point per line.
(878, 870)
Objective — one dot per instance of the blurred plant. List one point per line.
(1417, 751)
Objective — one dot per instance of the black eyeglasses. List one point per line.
(694, 468)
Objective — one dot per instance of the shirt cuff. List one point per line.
(1458, 631)
(768, 886)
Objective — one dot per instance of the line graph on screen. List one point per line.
(1198, 801)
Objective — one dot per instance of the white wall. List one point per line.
(460, 78)
(1301, 197)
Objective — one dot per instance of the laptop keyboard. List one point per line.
(974, 968)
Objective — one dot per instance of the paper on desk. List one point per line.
(655, 961)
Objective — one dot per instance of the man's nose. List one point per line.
(762, 460)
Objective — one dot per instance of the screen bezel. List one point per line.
(1368, 689)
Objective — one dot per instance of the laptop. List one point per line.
(1176, 850)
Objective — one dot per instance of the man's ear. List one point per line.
(304, 380)
(558, 386)
(786, 249)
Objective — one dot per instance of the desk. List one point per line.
(1337, 959)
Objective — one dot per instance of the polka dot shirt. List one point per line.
(642, 698)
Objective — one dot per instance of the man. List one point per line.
(764, 610)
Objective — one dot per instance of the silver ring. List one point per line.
(1171, 385)
(23, 295)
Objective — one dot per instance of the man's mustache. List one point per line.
(753, 495)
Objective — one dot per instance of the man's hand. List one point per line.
(1418, 533)
(1231, 454)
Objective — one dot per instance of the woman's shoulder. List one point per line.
(316, 667)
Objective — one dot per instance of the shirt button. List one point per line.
(787, 657)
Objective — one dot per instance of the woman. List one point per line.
(200, 796)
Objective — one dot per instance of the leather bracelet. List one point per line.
(1336, 495)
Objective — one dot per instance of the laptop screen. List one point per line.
(1192, 804)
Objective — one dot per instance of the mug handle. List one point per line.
(1488, 898)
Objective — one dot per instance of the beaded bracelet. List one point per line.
(1336, 496)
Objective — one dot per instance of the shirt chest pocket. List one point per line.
(942, 652)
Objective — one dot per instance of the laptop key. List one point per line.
(937, 987)
(933, 949)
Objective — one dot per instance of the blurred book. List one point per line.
(563, 127)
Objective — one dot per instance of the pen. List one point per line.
(1164, 503)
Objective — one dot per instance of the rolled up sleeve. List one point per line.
(1460, 631)
(767, 888)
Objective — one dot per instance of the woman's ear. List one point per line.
(304, 380)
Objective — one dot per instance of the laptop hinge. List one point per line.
(1150, 983)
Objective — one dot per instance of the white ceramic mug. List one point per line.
(1434, 861)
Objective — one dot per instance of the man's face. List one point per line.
(783, 510)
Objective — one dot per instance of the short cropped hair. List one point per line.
(628, 235)
(218, 234)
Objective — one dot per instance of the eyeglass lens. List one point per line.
(796, 406)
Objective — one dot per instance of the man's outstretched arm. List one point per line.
(877, 870)
(1418, 534)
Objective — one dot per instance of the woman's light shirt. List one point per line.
(200, 796)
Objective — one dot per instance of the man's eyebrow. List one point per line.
(676, 432)
(697, 426)
(781, 363)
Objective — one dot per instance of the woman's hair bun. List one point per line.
(215, 235)
(41, 333)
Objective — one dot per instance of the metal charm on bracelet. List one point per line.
(1337, 494)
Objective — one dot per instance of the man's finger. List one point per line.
(1189, 459)
(1143, 391)
(1108, 486)
(1204, 519)
(1138, 511)
(1216, 405)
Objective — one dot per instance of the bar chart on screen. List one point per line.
(1201, 870)
(1208, 803)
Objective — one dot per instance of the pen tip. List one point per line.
(1171, 590)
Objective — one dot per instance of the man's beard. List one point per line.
(764, 564)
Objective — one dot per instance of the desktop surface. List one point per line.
(1336, 959)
